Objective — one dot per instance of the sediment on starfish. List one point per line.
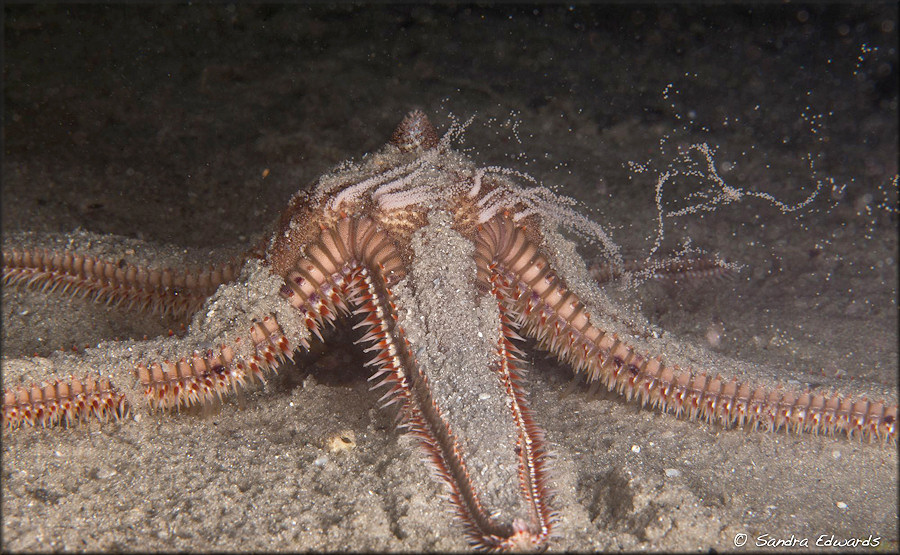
(422, 418)
(204, 378)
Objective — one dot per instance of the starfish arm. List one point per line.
(669, 269)
(422, 417)
(63, 402)
(531, 446)
(203, 377)
(555, 317)
(193, 380)
(143, 376)
(162, 291)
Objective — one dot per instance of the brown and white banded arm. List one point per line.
(557, 319)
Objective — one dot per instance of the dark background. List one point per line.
(178, 109)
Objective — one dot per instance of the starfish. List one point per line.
(375, 243)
